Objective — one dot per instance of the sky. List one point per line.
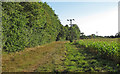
(99, 18)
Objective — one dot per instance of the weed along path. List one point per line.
(58, 56)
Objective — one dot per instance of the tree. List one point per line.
(117, 34)
(74, 33)
(82, 36)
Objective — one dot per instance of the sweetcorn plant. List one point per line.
(108, 48)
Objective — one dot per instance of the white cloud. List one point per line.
(106, 23)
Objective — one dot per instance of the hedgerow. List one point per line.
(28, 24)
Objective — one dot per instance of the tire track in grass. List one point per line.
(31, 58)
(55, 60)
(50, 59)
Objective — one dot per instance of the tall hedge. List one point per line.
(29, 24)
(13, 27)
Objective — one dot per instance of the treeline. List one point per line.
(69, 33)
(29, 24)
(117, 35)
(83, 36)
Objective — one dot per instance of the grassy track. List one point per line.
(57, 57)
(31, 58)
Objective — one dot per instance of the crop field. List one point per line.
(109, 48)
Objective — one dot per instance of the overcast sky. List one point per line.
(91, 17)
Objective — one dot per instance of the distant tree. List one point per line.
(92, 35)
(74, 33)
(82, 36)
(117, 34)
(111, 36)
(82, 33)
(62, 34)
(69, 33)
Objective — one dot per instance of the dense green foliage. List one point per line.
(14, 27)
(28, 24)
(69, 33)
(74, 33)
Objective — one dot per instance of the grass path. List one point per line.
(29, 59)
(57, 57)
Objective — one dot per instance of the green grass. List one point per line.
(81, 60)
(58, 57)
(31, 58)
